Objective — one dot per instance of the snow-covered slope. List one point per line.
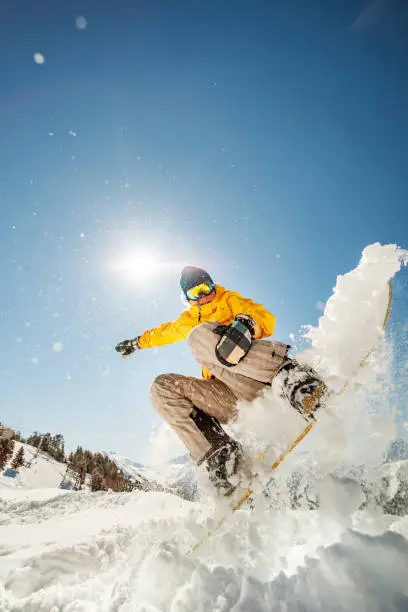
(105, 552)
(44, 471)
(80, 551)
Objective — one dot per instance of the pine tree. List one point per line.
(59, 447)
(35, 439)
(10, 450)
(3, 458)
(6, 449)
(97, 481)
(81, 469)
(18, 460)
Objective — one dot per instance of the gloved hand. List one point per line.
(235, 340)
(249, 322)
(127, 347)
(243, 318)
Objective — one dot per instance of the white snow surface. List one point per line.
(81, 551)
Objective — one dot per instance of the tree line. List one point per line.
(52, 445)
(103, 473)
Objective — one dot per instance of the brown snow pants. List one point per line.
(175, 395)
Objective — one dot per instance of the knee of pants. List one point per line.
(161, 386)
(201, 335)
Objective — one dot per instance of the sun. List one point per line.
(138, 265)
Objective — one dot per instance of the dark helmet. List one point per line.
(191, 276)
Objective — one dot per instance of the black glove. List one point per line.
(249, 322)
(243, 318)
(220, 329)
(127, 347)
(235, 341)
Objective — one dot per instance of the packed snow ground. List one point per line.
(79, 551)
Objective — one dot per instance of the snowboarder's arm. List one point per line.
(168, 332)
(265, 320)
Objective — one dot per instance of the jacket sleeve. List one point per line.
(167, 333)
(264, 319)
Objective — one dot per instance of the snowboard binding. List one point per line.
(301, 385)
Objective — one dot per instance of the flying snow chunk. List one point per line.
(81, 22)
(38, 58)
(57, 347)
(320, 306)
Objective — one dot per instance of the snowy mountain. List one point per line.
(177, 475)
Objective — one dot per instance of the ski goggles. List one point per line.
(199, 291)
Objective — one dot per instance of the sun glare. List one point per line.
(138, 265)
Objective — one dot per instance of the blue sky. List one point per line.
(263, 141)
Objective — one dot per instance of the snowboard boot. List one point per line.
(223, 466)
(301, 385)
(225, 457)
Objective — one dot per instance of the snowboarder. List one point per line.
(226, 335)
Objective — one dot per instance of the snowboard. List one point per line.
(258, 482)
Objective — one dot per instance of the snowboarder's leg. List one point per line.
(265, 364)
(174, 396)
(194, 408)
(301, 385)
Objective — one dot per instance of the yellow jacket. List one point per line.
(222, 309)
